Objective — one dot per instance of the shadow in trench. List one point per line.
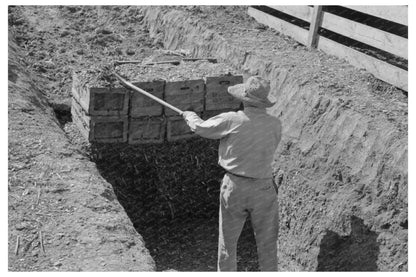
(170, 192)
(356, 252)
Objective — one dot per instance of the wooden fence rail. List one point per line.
(374, 37)
(396, 14)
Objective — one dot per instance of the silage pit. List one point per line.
(170, 192)
(165, 177)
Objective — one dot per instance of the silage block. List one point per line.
(141, 105)
(105, 129)
(187, 95)
(178, 129)
(217, 96)
(100, 100)
(147, 130)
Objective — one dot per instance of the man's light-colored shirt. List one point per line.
(248, 140)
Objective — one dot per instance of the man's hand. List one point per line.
(192, 119)
(186, 114)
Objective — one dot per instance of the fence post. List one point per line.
(315, 24)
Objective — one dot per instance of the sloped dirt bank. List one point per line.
(63, 216)
(343, 158)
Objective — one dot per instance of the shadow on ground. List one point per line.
(170, 192)
(355, 252)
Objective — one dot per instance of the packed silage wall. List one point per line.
(342, 161)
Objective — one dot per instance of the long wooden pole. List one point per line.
(147, 94)
(174, 62)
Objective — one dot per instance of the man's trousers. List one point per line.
(241, 197)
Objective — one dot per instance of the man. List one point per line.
(248, 140)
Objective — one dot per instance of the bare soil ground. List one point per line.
(71, 191)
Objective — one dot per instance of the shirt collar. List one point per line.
(255, 110)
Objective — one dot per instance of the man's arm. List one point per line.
(214, 128)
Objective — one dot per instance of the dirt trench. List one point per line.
(170, 193)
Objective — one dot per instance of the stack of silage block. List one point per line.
(198, 86)
(147, 123)
(217, 98)
(180, 90)
(101, 113)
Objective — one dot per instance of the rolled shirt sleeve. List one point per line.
(216, 127)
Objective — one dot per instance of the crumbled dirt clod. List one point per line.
(130, 52)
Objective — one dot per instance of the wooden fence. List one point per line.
(388, 42)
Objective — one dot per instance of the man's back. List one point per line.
(249, 148)
(249, 139)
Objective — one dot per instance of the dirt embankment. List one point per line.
(63, 216)
(342, 162)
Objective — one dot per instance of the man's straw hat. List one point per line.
(254, 91)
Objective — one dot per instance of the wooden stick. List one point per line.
(211, 60)
(175, 62)
(41, 241)
(37, 200)
(172, 214)
(147, 94)
(16, 250)
(126, 62)
(60, 177)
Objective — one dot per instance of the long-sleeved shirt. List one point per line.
(248, 140)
